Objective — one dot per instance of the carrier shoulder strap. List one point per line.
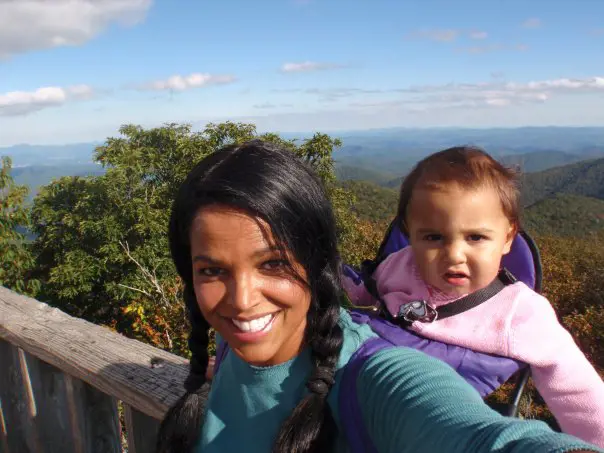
(421, 311)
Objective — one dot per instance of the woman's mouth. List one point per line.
(249, 331)
(254, 325)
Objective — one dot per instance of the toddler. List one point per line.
(460, 211)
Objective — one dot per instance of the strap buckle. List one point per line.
(418, 310)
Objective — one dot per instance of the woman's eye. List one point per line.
(274, 264)
(211, 271)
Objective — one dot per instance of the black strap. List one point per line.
(477, 297)
(421, 311)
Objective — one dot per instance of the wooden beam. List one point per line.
(146, 378)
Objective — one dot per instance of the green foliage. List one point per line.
(372, 202)
(354, 173)
(17, 260)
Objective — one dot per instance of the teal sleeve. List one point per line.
(414, 403)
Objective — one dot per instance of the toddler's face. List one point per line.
(458, 237)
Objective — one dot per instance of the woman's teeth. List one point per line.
(255, 325)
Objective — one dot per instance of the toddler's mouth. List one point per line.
(456, 278)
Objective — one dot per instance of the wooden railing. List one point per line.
(64, 382)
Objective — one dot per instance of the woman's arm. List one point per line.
(413, 403)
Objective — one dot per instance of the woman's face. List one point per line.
(243, 288)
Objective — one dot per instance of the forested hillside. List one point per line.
(372, 202)
(583, 178)
(565, 215)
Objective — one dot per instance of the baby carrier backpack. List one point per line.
(485, 372)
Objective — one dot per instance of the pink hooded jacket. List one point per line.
(516, 323)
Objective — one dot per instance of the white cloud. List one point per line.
(27, 25)
(500, 94)
(533, 22)
(308, 66)
(439, 35)
(181, 83)
(495, 93)
(268, 105)
(446, 35)
(478, 35)
(16, 103)
(476, 50)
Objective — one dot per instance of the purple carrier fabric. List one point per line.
(484, 372)
(221, 352)
(349, 408)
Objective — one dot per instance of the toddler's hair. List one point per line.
(470, 168)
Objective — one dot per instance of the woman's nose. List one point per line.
(242, 292)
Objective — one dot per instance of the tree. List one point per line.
(17, 260)
(102, 246)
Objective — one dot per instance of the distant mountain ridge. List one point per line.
(584, 178)
(75, 153)
(35, 176)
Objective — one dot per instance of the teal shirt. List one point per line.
(410, 403)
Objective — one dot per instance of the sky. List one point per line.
(76, 70)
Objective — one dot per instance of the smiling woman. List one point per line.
(245, 288)
(253, 237)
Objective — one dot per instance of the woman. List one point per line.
(253, 237)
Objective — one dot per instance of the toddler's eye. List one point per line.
(432, 237)
(476, 237)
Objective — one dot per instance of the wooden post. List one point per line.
(141, 431)
(13, 405)
(48, 411)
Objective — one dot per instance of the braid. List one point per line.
(311, 427)
(181, 426)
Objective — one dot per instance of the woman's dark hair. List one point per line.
(274, 185)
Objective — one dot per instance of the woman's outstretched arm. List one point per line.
(413, 403)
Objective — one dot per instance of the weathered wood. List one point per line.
(96, 415)
(48, 411)
(3, 433)
(14, 408)
(141, 431)
(146, 378)
(72, 416)
(53, 418)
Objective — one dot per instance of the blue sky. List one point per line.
(73, 71)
